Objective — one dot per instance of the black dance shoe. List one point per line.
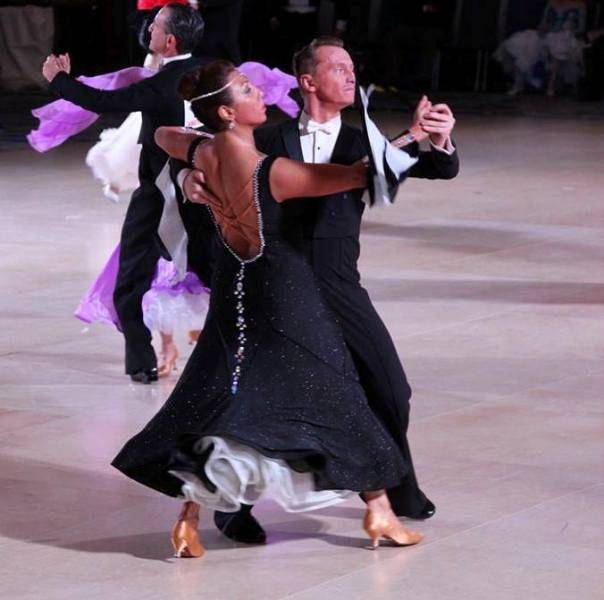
(240, 526)
(425, 513)
(145, 376)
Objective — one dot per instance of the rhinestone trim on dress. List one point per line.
(239, 292)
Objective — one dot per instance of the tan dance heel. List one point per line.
(168, 363)
(379, 525)
(184, 538)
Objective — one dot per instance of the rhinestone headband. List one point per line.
(224, 87)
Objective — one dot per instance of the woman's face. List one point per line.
(248, 104)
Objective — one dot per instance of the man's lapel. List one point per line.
(291, 139)
(345, 146)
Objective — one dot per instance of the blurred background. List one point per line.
(495, 56)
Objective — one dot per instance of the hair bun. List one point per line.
(209, 79)
(189, 84)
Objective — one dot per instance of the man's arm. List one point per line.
(138, 96)
(435, 164)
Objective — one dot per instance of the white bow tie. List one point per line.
(330, 127)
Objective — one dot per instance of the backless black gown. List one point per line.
(269, 403)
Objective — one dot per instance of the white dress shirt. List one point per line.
(318, 139)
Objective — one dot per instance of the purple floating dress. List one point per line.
(171, 303)
(61, 119)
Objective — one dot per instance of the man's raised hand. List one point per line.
(438, 123)
(53, 65)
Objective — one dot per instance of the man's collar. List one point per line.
(306, 125)
(170, 59)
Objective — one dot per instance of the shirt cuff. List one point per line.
(448, 148)
(180, 179)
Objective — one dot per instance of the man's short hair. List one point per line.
(186, 25)
(305, 59)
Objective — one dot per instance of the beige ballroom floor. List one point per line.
(492, 286)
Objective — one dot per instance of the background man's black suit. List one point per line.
(160, 104)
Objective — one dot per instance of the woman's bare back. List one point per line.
(229, 166)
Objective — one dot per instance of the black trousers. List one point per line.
(380, 371)
(139, 253)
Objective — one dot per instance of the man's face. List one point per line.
(159, 35)
(334, 76)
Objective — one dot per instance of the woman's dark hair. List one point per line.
(186, 25)
(204, 80)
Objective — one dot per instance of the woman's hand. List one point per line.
(423, 107)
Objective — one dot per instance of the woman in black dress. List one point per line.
(269, 403)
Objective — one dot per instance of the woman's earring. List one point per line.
(231, 124)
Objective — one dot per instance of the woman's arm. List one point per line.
(176, 141)
(294, 179)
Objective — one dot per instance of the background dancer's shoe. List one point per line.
(145, 376)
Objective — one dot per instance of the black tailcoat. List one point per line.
(158, 101)
(331, 230)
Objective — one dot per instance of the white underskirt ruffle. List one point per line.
(168, 312)
(243, 475)
(114, 158)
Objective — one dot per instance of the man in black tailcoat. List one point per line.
(175, 32)
(326, 78)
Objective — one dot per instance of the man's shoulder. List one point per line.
(271, 132)
(177, 68)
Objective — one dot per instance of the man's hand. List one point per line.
(65, 61)
(194, 188)
(438, 123)
(54, 65)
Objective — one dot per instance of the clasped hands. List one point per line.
(53, 65)
(434, 121)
